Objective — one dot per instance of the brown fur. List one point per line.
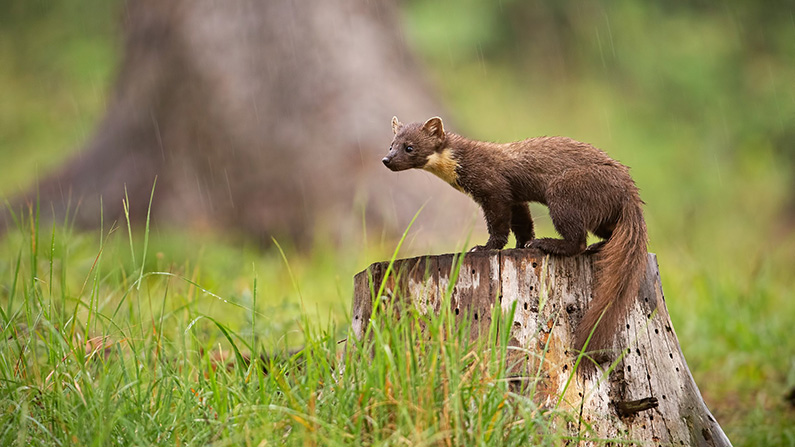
(584, 189)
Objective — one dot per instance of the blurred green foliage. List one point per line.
(724, 70)
(697, 97)
(56, 63)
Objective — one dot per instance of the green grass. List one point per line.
(698, 132)
(96, 350)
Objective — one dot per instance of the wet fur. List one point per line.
(584, 189)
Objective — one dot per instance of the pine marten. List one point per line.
(584, 189)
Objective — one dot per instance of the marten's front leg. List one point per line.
(498, 222)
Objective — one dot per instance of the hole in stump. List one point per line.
(535, 264)
(456, 311)
(656, 331)
(473, 271)
(525, 305)
(476, 316)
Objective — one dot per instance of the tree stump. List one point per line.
(649, 396)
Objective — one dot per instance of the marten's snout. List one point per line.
(387, 160)
(394, 162)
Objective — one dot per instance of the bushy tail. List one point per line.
(620, 268)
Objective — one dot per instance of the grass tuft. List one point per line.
(133, 357)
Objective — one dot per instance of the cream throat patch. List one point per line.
(442, 164)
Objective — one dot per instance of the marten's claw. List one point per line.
(595, 248)
(535, 244)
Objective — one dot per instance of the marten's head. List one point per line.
(414, 144)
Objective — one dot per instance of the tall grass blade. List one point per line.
(146, 232)
(126, 205)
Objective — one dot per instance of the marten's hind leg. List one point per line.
(604, 231)
(522, 225)
(569, 224)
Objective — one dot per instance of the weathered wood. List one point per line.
(649, 396)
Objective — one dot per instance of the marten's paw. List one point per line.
(538, 244)
(560, 247)
(478, 248)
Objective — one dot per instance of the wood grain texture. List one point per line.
(649, 397)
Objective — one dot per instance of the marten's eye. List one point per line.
(409, 148)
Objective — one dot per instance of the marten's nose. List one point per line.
(386, 161)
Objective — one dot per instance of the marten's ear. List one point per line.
(434, 127)
(396, 125)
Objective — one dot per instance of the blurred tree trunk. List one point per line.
(265, 118)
